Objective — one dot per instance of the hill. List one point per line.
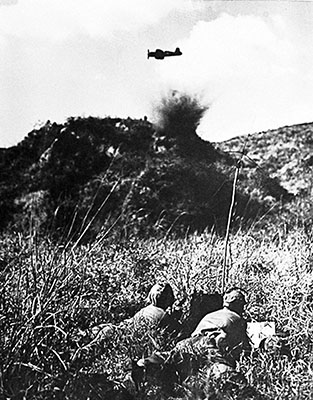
(284, 153)
(91, 175)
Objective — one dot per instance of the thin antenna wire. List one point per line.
(230, 217)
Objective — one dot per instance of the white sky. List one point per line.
(251, 61)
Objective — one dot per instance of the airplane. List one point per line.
(160, 54)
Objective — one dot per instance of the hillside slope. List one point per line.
(93, 175)
(285, 153)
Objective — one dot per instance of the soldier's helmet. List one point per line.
(234, 299)
(161, 295)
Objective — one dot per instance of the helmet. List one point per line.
(234, 297)
(161, 295)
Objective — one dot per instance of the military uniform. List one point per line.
(215, 344)
(152, 316)
(149, 314)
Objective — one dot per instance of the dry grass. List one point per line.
(50, 293)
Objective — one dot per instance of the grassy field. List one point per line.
(52, 293)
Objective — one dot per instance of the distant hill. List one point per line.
(285, 154)
(124, 176)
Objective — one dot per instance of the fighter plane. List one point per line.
(160, 54)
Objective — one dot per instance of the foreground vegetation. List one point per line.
(52, 293)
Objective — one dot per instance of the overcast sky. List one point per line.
(251, 61)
